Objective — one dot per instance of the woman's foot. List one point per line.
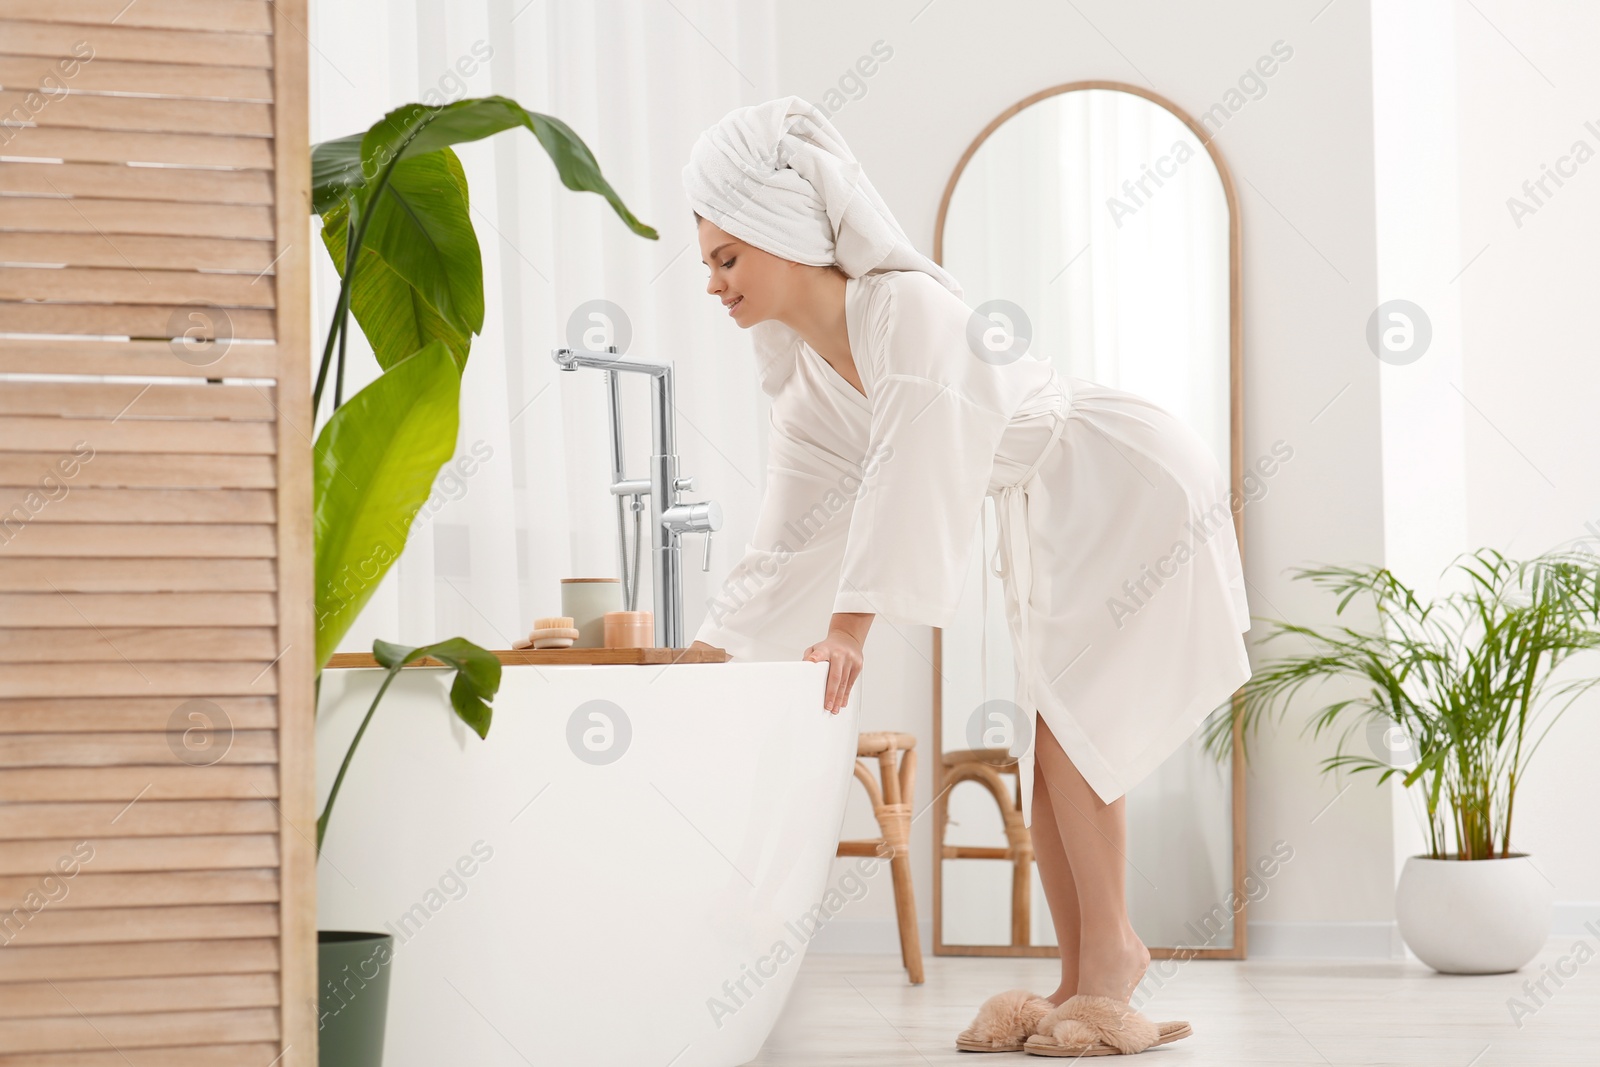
(1112, 968)
(1065, 990)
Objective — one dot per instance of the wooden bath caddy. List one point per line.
(541, 656)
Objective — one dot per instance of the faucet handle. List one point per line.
(705, 562)
(699, 517)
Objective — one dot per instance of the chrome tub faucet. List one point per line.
(670, 517)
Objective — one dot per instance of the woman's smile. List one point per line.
(734, 306)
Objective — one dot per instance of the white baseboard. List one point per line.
(1285, 940)
(1268, 940)
(866, 937)
(1378, 940)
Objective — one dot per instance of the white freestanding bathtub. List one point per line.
(624, 872)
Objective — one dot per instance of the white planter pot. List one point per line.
(1473, 916)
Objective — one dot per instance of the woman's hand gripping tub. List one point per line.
(842, 649)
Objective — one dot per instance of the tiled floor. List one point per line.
(859, 1010)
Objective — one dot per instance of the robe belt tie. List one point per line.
(1011, 515)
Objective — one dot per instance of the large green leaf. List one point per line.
(336, 172)
(476, 683)
(421, 227)
(477, 675)
(393, 315)
(373, 466)
(415, 128)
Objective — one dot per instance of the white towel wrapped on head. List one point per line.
(779, 177)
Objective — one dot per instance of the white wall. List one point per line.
(1303, 158)
(1302, 155)
(1528, 86)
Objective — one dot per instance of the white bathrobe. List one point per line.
(1129, 632)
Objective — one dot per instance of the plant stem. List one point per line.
(1522, 716)
(1436, 824)
(322, 821)
(344, 318)
(352, 254)
(338, 376)
(333, 335)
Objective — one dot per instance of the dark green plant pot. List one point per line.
(353, 981)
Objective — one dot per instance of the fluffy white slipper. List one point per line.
(1089, 1025)
(1004, 1022)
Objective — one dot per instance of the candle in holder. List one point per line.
(586, 601)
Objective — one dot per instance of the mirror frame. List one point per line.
(1236, 478)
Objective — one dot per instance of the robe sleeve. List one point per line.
(937, 420)
(777, 600)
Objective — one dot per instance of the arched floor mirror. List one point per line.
(1104, 212)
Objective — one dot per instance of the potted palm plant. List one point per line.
(1455, 699)
(395, 220)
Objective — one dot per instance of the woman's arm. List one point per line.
(842, 649)
(854, 623)
(768, 606)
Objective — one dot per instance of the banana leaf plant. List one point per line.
(396, 220)
(397, 224)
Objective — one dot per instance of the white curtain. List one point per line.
(526, 501)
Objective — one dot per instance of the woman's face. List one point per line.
(750, 283)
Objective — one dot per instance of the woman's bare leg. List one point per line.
(1055, 873)
(1111, 958)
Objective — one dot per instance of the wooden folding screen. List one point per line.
(156, 790)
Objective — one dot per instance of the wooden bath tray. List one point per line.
(523, 656)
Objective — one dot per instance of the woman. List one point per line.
(891, 419)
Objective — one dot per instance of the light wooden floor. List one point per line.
(859, 1010)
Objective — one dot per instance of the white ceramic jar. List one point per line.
(587, 600)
